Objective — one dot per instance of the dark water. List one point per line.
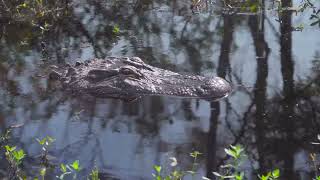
(275, 116)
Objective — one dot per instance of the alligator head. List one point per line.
(130, 78)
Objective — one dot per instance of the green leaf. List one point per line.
(238, 150)
(63, 168)
(75, 165)
(43, 172)
(24, 5)
(176, 174)
(239, 176)
(95, 174)
(157, 177)
(18, 155)
(157, 168)
(42, 141)
(50, 139)
(9, 149)
(234, 151)
(116, 29)
(230, 152)
(254, 8)
(265, 177)
(276, 173)
(195, 154)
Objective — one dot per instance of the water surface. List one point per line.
(273, 111)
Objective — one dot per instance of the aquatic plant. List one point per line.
(69, 169)
(231, 170)
(94, 175)
(15, 156)
(175, 173)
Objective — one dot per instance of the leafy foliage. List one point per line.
(15, 157)
(94, 175)
(176, 174)
(274, 175)
(69, 169)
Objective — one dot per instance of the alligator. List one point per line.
(128, 78)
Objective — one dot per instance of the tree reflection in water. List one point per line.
(275, 120)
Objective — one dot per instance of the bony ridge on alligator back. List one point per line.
(128, 78)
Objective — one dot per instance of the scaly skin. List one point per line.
(129, 78)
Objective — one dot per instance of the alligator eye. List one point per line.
(130, 72)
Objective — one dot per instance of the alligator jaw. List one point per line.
(176, 85)
(198, 87)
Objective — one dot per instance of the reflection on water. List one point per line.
(275, 117)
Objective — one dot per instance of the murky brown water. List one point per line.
(275, 117)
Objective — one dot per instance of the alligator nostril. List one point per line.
(78, 63)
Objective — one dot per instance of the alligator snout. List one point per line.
(198, 87)
(214, 89)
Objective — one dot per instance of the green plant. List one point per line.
(68, 169)
(232, 170)
(157, 176)
(273, 175)
(45, 143)
(43, 172)
(116, 29)
(176, 174)
(94, 175)
(14, 158)
(195, 155)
